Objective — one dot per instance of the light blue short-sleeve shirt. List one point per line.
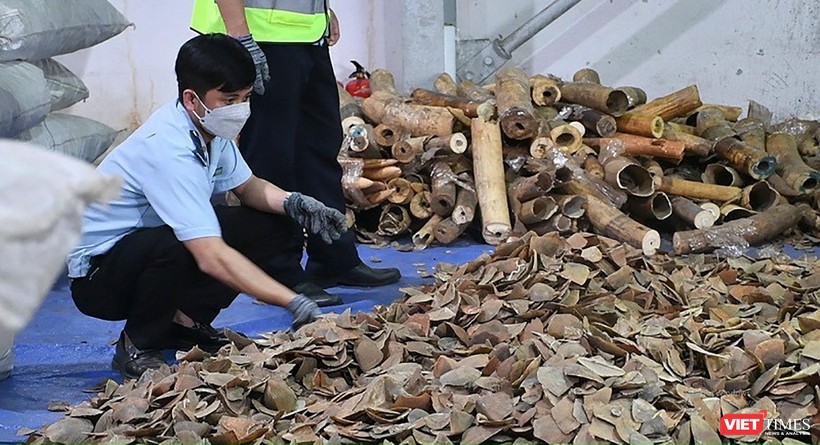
(168, 178)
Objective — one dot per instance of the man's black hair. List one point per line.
(211, 61)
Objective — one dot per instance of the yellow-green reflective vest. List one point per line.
(275, 21)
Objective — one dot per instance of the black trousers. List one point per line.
(292, 140)
(149, 275)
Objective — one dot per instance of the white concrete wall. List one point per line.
(766, 50)
(734, 50)
(132, 74)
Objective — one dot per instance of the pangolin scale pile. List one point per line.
(578, 340)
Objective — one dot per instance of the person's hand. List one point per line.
(315, 217)
(304, 311)
(335, 33)
(259, 60)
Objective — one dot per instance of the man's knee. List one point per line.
(92, 301)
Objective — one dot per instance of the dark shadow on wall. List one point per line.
(644, 43)
(659, 34)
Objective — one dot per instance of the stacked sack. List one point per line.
(33, 86)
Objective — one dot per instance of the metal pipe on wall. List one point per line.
(495, 55)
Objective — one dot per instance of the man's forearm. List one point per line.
(263, 196)
(233, 269)
(233, 14)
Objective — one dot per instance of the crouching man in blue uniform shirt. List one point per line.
(162, 257)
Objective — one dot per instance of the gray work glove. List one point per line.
(315, 217)
(261, 62)
(304, 311)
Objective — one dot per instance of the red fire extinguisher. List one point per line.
(360, 85)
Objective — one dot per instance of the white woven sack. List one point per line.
(44, 195)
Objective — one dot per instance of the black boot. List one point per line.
(204, 336)
(317, 294)
(132, 362)
(360, 276)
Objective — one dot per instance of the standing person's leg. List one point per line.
(319, 137)
(271, 146)
(268, 142)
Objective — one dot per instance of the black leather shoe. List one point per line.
(132, 362)
(204, 336)
(361, 276)
(317, 294)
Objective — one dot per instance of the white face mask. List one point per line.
(225, 122)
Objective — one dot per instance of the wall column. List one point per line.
(415, 53)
